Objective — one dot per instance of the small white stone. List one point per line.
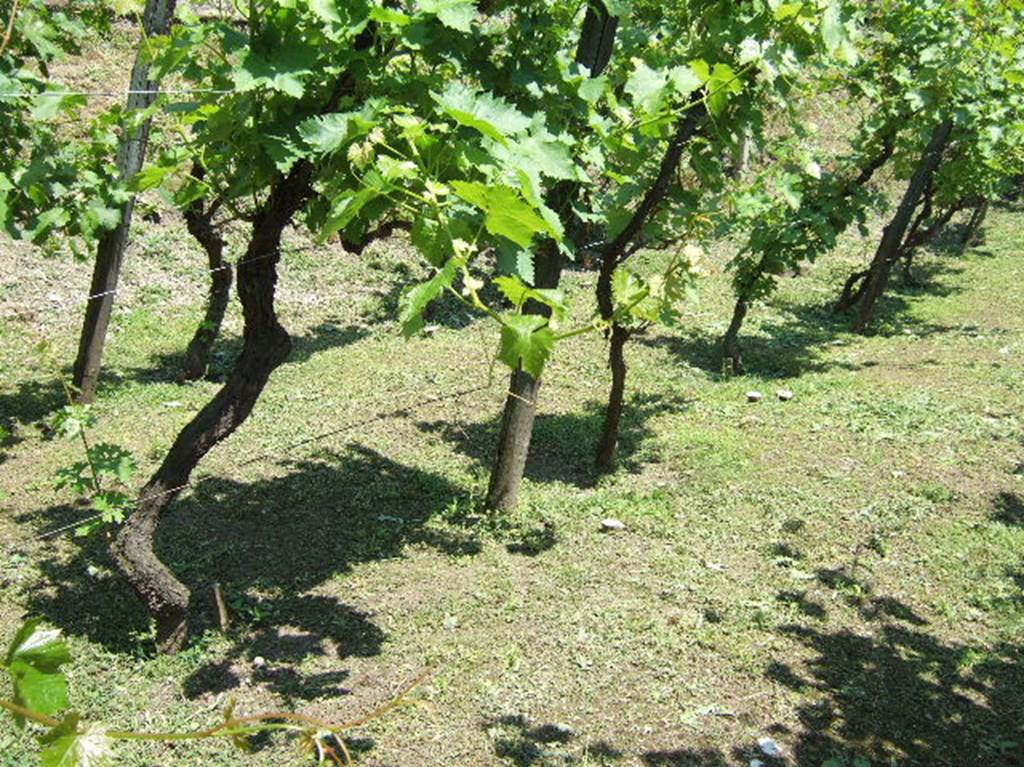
(754, 396)
(756, 763)
(610, 525)
(785, 395)
(770, 748)
(259, 661)
(429, 330)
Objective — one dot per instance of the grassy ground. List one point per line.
(842, 572)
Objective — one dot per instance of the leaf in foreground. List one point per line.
(33, 662)
(69, 745)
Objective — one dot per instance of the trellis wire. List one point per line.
(316, 439)
(287, 448)
(119, 94)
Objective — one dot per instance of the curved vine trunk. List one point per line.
(974, 225)
(853, 289)
(731, 355)
(608, 445)
(131, 152)
(613, 255)
(199, 220)
(889, 249)
(593, 51)
(265, 346)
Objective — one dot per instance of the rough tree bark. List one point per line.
(892, 238)
(156, 20)
(593, 51)
(613, 255)
(265, 346)
(199, 219)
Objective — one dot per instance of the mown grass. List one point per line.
(842, 572)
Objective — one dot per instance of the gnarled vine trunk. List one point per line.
(852, 290)
(199, 219)
(265, 346)
(978, 215)
(613, 255)
(889, 249)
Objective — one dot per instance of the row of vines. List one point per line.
(510, 141)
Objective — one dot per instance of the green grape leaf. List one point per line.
(151, 177)
(33, 662)
(392, 169)
(685, 80)
(539, 154)
(493, 117)
(415, 299)
(71, 745)
(628, 288)
(69, 421)
(506, 214)
(431, 240)
(390, 16)
(111, 506)
(722, 84)
(518, 292)
(327, 10)
(788, 11)
(526, 342)
(647, 87)
(285, 70)
(328, 133)
(350, 204)
(457, 14)
(515, 260)
(112, 461)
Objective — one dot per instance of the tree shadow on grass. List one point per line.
(521, 743)
(274, 545)
(30, 401)
(563, 445)
(892, 691)
(167, 367)
(1009, 509)
(796, 343)
(900, 693)
(877, 684)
